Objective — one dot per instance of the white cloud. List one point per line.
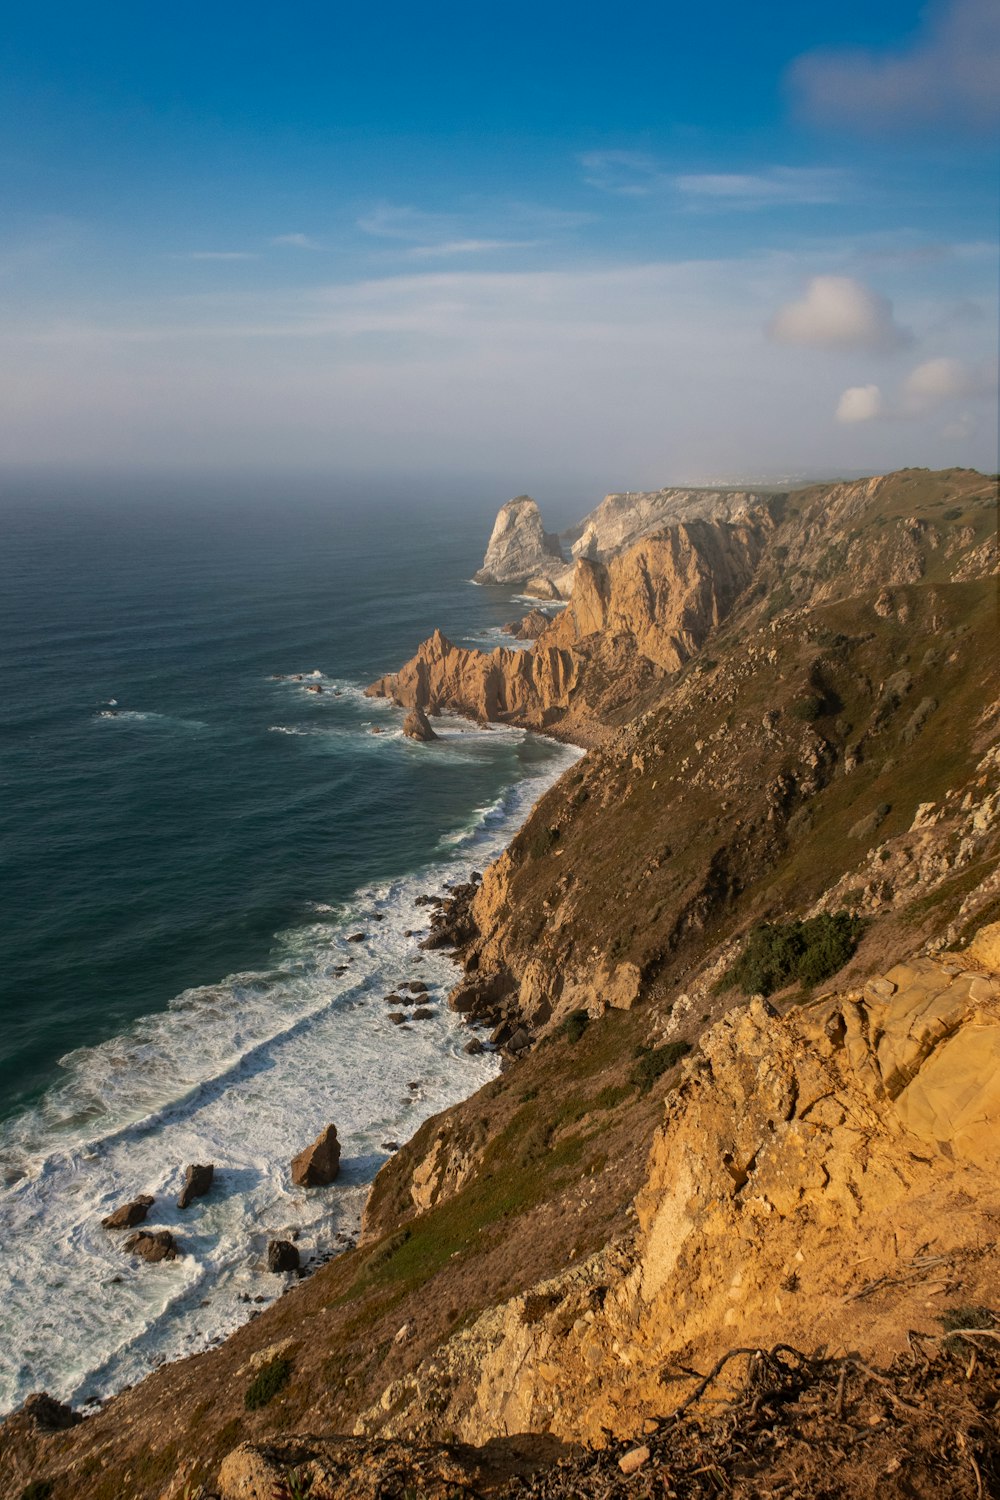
(937, 381)
(860, 403)
(961, 428)
(948, 74)
(296, 241)
(838, 312)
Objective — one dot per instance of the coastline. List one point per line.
(191, 1305)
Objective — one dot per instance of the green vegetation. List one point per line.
(575, 1025)
(269, 1380)
(779, 952)
(653, 1062)
(808, 708)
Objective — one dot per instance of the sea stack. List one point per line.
(416, 726)
(520, 547)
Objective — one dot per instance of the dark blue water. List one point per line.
(163, 848)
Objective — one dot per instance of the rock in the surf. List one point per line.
(153, 1245)
(197, 1182)
(415, 986)
(128, 1215)
(423, 1013)
(397, 1017)
(416, 726)
(282, 1256)
(41, 1413)
(473, 1048)
(319, 1163)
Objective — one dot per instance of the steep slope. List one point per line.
(667, 1168)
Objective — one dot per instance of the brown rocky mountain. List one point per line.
(743, 961)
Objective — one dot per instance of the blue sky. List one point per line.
(545, 245)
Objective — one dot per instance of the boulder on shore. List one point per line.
(416, 726)
(153, 1245)
(530, 626)
(197, 1182)
(128, 1215)
(282, 1256)
(318, 1164)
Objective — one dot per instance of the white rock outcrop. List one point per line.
(620, 520)
(520, 548)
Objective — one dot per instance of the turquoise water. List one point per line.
(187, 839)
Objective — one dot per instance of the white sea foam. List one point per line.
(242, 1073)
(147, 716)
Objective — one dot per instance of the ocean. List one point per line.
(189, 839)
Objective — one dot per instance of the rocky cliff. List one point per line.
(520, 548)
(804, 1167)
(627, 625)
(793, 791)
(623, 519)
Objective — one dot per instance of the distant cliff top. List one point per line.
(521, 550)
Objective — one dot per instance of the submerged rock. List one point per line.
(128, 1215)
(197, 1182)
(318, 1164)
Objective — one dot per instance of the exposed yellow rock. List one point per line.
(626, 625)
(803, 1158)
(985, 947)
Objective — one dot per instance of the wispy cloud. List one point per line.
(217, 255)
(774, 186)
(947, 75)
(468, 231)
(400, 221)
(296, 242)
(631, 174)
(471, 247)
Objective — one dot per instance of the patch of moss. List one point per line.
(575, 1025)
(269, 1380)
(652, 1062)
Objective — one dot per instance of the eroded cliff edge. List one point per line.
(668, 1168)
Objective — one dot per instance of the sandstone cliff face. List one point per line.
(805, 1160)
(520, 547)
(626, 626)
